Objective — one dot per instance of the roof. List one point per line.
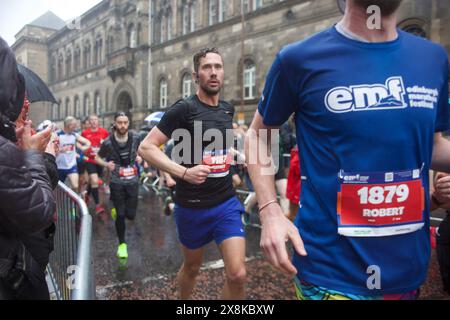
(49, 20)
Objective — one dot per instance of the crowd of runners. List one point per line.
(361, 127)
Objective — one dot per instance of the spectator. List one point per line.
(24, 181)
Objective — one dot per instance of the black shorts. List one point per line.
(81, 165)
(94, 168)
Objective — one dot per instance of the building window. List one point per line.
(98, 51)
(249, 81)
(86, 106)
(163, 94)
(67, 111)
(163, 29)
(188, 17)
(192, 15)
(186, 85)
(169, 26)
(55, 111)
(68, 63)
(53, 66)
(87, 56)
(132, 36)
(251, 5)
(217, 11)
(110, 44)
(60, 67)
(212, 12)
(97, 104)
(76, 59)
(77, 110)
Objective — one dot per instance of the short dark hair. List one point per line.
(120, 114)
(201, 54)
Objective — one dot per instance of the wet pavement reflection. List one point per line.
(155, 258)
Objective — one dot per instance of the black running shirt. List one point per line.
(218, 186)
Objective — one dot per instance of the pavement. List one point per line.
(155, 258)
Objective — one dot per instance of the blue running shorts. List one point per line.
(198, 227)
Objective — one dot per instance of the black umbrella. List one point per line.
(36, 88)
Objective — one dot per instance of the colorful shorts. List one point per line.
(307, 291)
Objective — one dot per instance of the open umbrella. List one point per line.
(36, 88)
(154, 118)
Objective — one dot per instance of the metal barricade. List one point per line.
(71, 264)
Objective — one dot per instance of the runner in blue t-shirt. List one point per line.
(369, 107)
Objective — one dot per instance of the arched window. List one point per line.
(249, 78)
(163, 93)
(186, 86)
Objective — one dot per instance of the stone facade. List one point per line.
(103, 66)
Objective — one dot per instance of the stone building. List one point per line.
(101, 63)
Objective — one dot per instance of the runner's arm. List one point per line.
(441, 154)
(149, 151)
(82, 143)
(276, 228)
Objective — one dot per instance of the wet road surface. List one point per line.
(155, 258)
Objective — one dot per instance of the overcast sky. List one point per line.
(14, 14)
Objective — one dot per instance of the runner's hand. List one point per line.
(276, 231)
(111, 166)
(170, 182)
(197, 175)
(442, 187)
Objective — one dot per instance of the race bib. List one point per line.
(68, 148)
(127, 173)
(380, 204)
(219, 162)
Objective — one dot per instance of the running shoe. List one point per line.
(114, 214)
(122, 252)
(99, 209)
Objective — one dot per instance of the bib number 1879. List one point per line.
(379, 195)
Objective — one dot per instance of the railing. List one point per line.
(71, 265)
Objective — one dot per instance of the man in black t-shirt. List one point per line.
(118, 154)
(206, 206)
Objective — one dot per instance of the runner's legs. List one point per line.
(189, 270)
(233, 253)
